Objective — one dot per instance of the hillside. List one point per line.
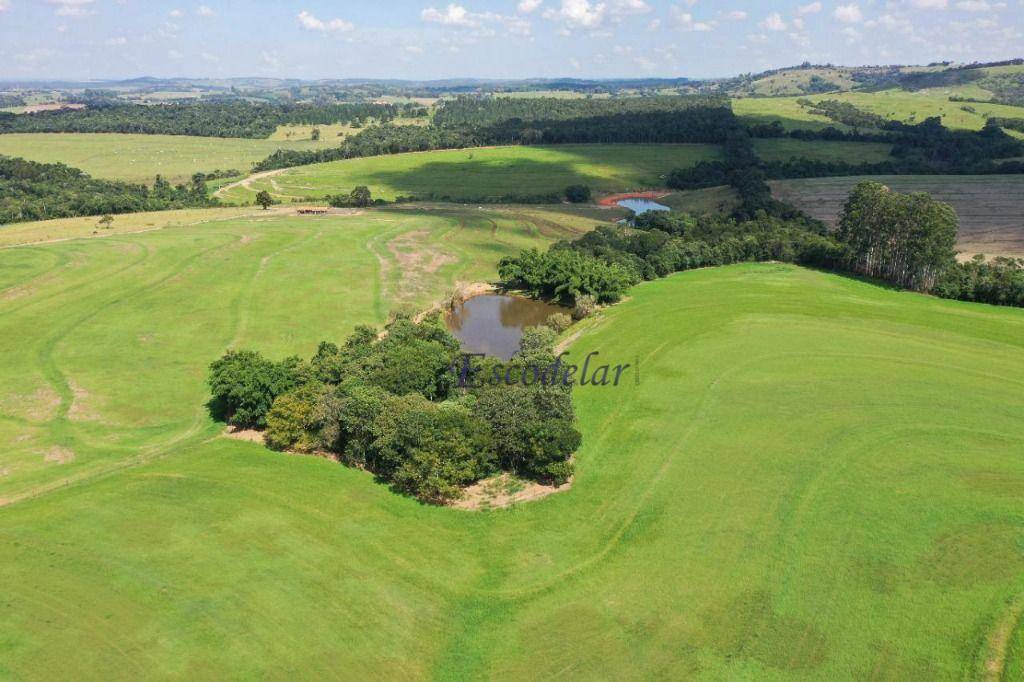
(481, 174)
(789, 547)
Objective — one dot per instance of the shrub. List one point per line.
(577, 194)
(585, 307)
(559, 322)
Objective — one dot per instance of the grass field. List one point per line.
(485, 172)
(991, 207)
(783, 149)
(718, 200)
(897, 105)
(139, 158)
(816, 477)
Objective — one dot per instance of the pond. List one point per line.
(494, 324)
(639, 206)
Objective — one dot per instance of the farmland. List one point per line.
(851, 152)
(139, 158)
(481, 173)
(991, 207)
(158, 538)
(896, 105)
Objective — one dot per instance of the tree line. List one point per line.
(393, 404)
(41, 191)
(502, 121)
(205, 119)
(907, 240)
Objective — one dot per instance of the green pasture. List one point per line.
(139, 158)
(784, 149)
(815, 477)
(895, 104)
(468, 174)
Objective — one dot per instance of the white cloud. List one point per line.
(175, 55)
(930, 4)
(849, 14)
(72, 8)
(459, 17)
(205, 11)
(4, 5)
(453, 15)
(626, 7)
(684, 20)
(176, 13)
(774, 22)
(798, 24)
(654, 25)
(311, 23)
(812, 8)
(974, 6)
(580, 13)
(414, 49)
(737, 15)
(527, 6)
(270, 59)
(114, 42)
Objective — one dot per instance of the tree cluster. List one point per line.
(392, 404)
(207, 119)
(41, 191)
(904, 239)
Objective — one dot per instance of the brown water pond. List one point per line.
(493, 324)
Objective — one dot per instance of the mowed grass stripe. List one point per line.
(815, 477)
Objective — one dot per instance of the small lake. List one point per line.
(639, 206)
(494, 324)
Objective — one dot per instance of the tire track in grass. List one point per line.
(60, 428)
(197, 430)
(997, 643)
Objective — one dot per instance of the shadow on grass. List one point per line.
(489, 180)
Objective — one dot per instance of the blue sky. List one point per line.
(490, 38)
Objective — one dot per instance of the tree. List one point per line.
(106, 221)
(577, 194)
(264, 199)
(361, 196)
(245, 384)
(907, 239)
(292, 422)
(315, 135)
(430, 450)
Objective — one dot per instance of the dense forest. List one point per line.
(38, 191)
(206, 119)
(396, 404)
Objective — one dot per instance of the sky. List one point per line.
(422, 39)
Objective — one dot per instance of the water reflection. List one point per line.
(639, 206)
(494, 324)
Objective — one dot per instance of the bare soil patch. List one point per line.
(59, 455)
(80, 409)
(248, 435)
(503, 491)
(417, 260)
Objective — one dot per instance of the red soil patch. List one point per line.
(613, 199)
